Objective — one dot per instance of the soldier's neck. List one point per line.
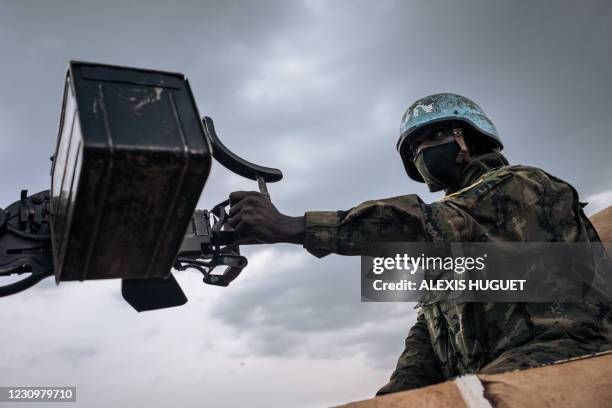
(478, 166)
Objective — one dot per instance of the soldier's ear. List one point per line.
(477, 143)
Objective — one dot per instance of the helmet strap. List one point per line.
(463, 155)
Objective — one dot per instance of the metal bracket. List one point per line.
(25, 241)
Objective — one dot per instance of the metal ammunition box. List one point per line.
(131, 160)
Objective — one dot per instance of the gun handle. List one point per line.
(235, 163)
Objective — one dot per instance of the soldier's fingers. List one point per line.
(236, 208)
(237, 196)
(234, 220)
(242, 228)
(253, 202)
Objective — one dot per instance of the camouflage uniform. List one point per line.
(493, 202)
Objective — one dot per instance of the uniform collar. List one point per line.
(476, 168)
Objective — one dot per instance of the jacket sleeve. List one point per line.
(417, 365)
(397, 219)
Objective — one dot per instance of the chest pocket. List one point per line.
(455, 337)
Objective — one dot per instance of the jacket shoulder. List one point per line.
(518, 184)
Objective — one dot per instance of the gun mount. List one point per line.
(131, 160)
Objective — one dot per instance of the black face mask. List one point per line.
(438, 166)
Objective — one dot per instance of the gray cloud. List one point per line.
(316, 88)
(294, 304)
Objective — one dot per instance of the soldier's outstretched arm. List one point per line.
(417, 365)
(396, 219)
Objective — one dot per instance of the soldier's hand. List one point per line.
(253, 216)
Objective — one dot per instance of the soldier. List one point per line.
(448, 142)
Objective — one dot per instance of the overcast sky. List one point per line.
(317, 89)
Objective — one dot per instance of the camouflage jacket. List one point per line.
(493, 202)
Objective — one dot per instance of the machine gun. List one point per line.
(131, 160)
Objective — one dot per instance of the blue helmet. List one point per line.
(438, 108)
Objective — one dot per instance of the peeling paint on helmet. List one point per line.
(445, 106)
